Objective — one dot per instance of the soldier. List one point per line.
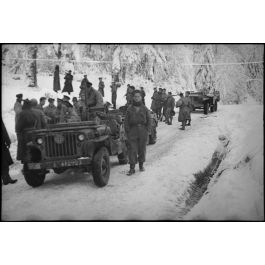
(61, 111)
(50, 111)
(159, 104)
(184, 110)
(56, 79)
(101, 86)
(70, 114)
(76, 105)
(154, 100)
(68, 87)
(84, 84)
(18, 106)
(137, 126)
(35, 107)
(169, 106)
(187, 96)
(28, 118)
(42, 103)
(113, 94)
(129, 94)
(163, 103)
(6, 160)
(143, 94)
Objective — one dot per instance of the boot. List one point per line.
(131, 171)
(141, 167)
(7, 179)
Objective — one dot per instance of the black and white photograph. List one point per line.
(146, 131)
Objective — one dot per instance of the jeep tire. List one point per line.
(101, 167)
(34, 178)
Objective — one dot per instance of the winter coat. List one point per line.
(28, 119)
(184, 105)
(50, 113)
(101, 86)
(56, 81)
(137, 126)
(17, 109)
(68, 87)
(154, 104)
(170, 103)
(6, 160)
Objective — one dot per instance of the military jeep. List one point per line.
(85, 144)
(207, 102)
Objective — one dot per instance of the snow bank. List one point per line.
(236, 190)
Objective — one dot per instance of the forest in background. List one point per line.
(177, 67)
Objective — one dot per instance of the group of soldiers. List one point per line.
(163, 105)
(137, 123)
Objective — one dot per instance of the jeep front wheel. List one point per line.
(34, 178)
(101, 167)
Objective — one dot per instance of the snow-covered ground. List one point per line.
(171, 163)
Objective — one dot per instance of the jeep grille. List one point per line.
(67, 148)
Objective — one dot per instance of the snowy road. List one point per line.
(73, 195)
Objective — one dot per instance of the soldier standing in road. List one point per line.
(169, 106)
(68, 87)
(187, 96)
(101, 86)
(84, 85)
(184, 110)
(143, 95)
(159, 103)
(163, 103)
(56, 79)
(129, 94)
(137, 126)
(50, 111)
(18, 106)
(113, 94)
(28, 118)
(6, 159)
(154, 101)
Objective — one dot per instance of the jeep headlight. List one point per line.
(39, 141)
(81, 137)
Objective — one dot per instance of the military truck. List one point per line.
(206, 101)
(85, 144)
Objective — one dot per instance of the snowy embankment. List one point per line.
(236, 190)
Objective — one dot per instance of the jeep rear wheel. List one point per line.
(34, 178)
(206, 108)
(101, 167)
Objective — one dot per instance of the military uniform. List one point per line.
(17, 109)
(50, 112)
(113, 94)
(184, 105)
(137, 125)
(28, 118)
(154, 102)
(164, 97)
(68, 87)
(169, 107)
(101, 86)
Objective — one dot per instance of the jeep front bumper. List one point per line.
(60, 163)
